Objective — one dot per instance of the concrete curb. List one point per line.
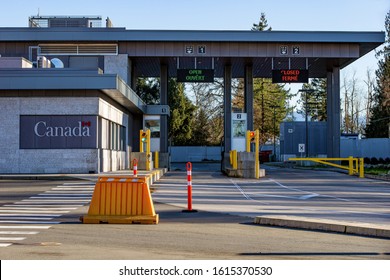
(324, 225)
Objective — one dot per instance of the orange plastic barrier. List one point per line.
(121, 200)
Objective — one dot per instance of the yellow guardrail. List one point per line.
(355, 165)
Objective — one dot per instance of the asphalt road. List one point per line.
(44, 216)
(284, 191)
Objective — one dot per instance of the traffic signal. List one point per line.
(143, 136)
(252, 136)
(144, 139)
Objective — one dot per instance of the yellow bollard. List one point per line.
(235, 159)
(257, 163)
(361, 169)
(156, 159)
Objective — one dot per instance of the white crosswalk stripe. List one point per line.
(40, 211)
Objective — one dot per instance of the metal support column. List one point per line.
(329, 112)
(248, 95)
(164, 101)
(133, 78)
(227, 102)
(333, 107)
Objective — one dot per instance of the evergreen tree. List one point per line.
(200, 129)
(148, 90)
(270, 100)
(262, 25)
(379, 122)
(182, 110)
(270, 107)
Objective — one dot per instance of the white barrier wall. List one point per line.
(195, 154)
(370, 147)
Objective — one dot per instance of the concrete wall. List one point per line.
(117, 64)
(15, 62)
(16, 160)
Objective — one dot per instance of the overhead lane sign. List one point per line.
(290, 76)
(195, 75)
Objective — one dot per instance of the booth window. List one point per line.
(154, 126)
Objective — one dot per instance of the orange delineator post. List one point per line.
(135, 167)
(121, 200)
(189, 189)
(189, 186)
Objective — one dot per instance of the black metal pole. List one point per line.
(306, 128)
(274, 134)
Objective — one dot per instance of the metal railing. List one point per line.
(355, 165)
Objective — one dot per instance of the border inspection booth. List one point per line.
(68, 85)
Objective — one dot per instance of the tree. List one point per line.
(316, 100)
(200, 129)
(262, 25)
(270, 107)
(148, 90)
(208, 120)
(270, 100)
(354, 104)
(370, 83)
(182, 110)
(379, 122)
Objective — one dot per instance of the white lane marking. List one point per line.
(5, 244)
(303, 197)
(24, 218)
(56, 199)
(241, 190)
(33, 211)
(322, 195)
(49, 203)
(12, 238)
(48, 206)
(12, 207)
(18, 232)
(67, 195)
(78, 184)
(31, 215)
(289, 188)
(28, 222)
(25, 227)
(250, 196)
(70, 191)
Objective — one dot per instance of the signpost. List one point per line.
(301, 149)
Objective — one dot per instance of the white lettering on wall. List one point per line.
(41, 129)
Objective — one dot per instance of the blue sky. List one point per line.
(348, 15)
(333, 15)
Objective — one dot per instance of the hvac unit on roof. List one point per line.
(43, 62)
